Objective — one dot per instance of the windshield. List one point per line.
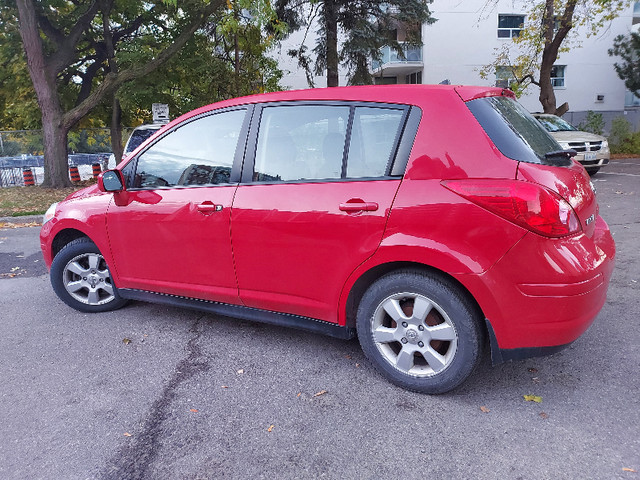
(555, 124)
(514, 130)
(137, 137)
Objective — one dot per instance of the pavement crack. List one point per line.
(133, 459)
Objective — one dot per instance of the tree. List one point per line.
(628, 49)
(550, 28)
(71, 53)
(365, 25)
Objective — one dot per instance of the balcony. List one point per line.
(392, 64)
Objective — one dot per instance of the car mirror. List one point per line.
(110, 181)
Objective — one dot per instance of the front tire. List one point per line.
(592, 171)
(420, 330)
(81, 278)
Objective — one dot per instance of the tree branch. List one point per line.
(112, 81)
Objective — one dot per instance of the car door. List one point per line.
(169, 230)
(315, 194)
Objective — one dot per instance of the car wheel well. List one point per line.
(64, 237)
(368, 278)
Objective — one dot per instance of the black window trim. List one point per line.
(396, 164)
(238, 157)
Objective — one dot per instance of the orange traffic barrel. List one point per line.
(96, 169)
(27, 175)
(75, 174)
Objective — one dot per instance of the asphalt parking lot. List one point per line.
(151, 392)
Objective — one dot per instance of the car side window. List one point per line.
(374, 135)
(301, 142)
(200, 152)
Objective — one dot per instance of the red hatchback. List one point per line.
(428, 220)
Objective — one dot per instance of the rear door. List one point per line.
(315, 195)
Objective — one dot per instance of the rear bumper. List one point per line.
(545, 293)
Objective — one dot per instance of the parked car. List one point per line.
(429, 221)
(593, 150)
(138, 135)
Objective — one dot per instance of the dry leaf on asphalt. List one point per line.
(321, 392)
(270, 428)
(629, 470)
(240, 372)
(194, 410)
(533, 398)
(544, 415)
(126, 341)
(127, 434)
(484, 409)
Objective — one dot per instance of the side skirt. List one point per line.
(244, 313)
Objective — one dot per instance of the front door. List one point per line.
(169, 231)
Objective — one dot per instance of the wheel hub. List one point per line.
(412, 335)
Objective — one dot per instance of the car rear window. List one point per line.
(516, 133)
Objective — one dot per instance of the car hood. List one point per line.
(577, 137)
(85, 192)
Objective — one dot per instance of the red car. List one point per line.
(428, 220)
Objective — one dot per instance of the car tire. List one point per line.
(431, 350)
(593, 171)
(81, 278)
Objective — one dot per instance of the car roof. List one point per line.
(397, 94)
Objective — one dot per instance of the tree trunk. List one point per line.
(331, 27)
(116, 129)
(56, 165)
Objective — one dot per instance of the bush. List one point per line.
(622, 139)
(594, 123)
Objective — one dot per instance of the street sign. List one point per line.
(160, 112)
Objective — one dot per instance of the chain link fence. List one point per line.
(22, 150)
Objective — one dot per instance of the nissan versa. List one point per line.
(430, 221)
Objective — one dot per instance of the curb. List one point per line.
(23, 219)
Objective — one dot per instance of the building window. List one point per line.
(510, 26)
(385, 80)
(504, 77)
(414, 78)
(557, 76)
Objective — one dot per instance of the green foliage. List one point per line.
(622, 139)
(628, 49)
(594, 123)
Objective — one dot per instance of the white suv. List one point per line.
(593, 150)
(139, 135)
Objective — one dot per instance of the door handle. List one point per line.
(207, 208)
(358, 206)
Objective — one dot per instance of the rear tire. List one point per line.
(593, 171)
(81, 278)
(420, 331)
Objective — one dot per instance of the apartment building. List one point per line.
(466, 37)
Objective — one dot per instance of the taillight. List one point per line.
(526, 204)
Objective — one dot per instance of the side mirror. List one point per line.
(110, 181)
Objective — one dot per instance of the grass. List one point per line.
(18, 201)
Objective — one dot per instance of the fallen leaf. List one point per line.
(532, 370)
(348, 357)
(126, 341)
(544, 415)
(240, 372)
(194, 410)
(484, 410)
(224, 386)
(15, 268)
(357, 365)
(535, 380)
(321, 392)
(629, 470)
(270, 428)
(299, 394)
(533, 398)
(127, 434)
